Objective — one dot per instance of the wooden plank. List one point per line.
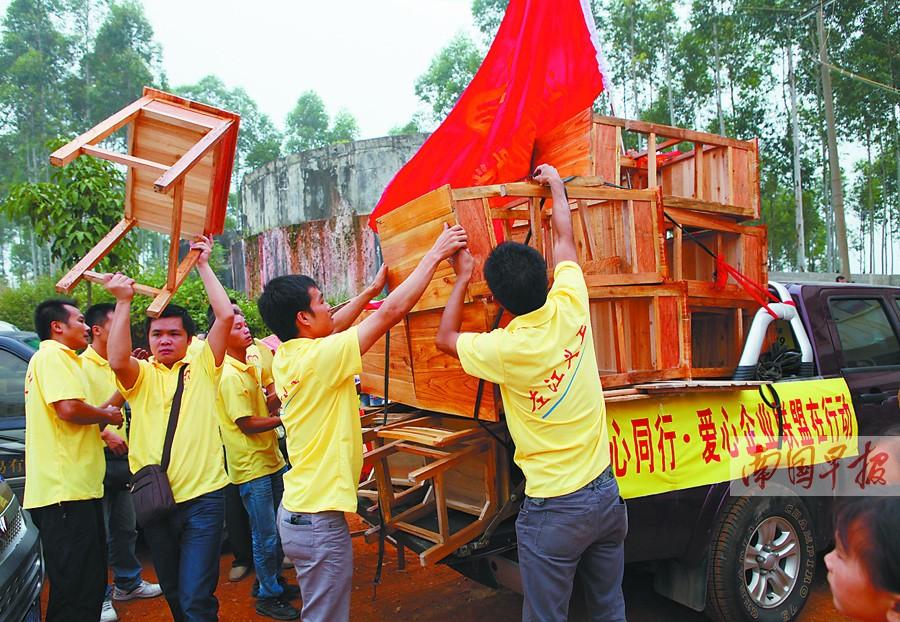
(461, 537)
(181, 116)
(699, 173)
(526, 189)
(438, 466)
(430, 206)
(165, 295)
(127, 160)
(190, 159)
(707, 206)
(651, 161)
(143, 290)
(94, 256)
(108, 126)
(187, 103)
(129, 174)
(175, 233)
(683, 135)
(537, 230)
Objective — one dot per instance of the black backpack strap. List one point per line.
(173, 420)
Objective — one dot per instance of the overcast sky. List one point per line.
(362, 55)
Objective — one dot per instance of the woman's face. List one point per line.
(852, 589)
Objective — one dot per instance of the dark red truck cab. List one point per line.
(697, 542)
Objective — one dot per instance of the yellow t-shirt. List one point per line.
(249, 456)
(261, 357)
(315, 381)
(99, 383)
(64, 461)
(197, 465)
(545, 366)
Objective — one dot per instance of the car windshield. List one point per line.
(12, 385)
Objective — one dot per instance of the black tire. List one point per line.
(779, 577)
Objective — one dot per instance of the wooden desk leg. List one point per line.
(66, 284)
(165, 295)
(175, 233)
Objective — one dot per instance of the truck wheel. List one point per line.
(762, 560)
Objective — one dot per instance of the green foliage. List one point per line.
(448, 75)
(125, 54)
(70, 213)
(344, 128)
(487, 15)
(259, 141)
(17, 304)
(306, 126)
(411, 127)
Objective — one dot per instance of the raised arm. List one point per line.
(218, 300)
(561, 218)
(345, 316)
(400, 301)
(118, 349)
(451, 319)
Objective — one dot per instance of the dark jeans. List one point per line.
(74, 543)
(584, 531)
(261, 497)
(237, 526)
(185, 550)
(118, 510)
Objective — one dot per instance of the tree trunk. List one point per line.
(798, 182)
(870, 201)
(837, 192)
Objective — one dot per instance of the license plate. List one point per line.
(34, 614)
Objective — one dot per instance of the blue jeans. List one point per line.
(261, 497)
(185, 550)
(583, 530)
(121, 535)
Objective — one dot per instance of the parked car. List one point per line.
(14, 357)
(21, 563)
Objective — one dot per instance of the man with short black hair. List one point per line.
(65, 466)
(314, 370)
(544, 364)
(118, 509)
(185, 546)
(255, 467)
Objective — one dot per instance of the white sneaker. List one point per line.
(108, 613)
(144, 590)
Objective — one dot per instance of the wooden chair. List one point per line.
(428, 465)
(180, 155)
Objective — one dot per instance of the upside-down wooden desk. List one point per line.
(180, 155)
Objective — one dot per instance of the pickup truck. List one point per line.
(707, 555)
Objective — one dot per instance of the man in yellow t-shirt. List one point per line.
(118, 509)
(255, 466)
(65, 466)
(314, 370)
(545, 366)
(184, 546)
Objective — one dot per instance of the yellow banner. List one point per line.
(665, 443)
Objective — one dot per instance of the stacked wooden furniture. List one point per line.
(656, 312)
(179, 155)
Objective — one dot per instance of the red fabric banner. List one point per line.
(543, 67)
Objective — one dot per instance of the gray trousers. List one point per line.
(583, 531)
(319, 546)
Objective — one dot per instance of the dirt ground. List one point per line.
(439, 595)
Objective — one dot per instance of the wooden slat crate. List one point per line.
(718, 175)
(744, 247)
(641, 333)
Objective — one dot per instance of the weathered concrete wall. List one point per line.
(305, 213)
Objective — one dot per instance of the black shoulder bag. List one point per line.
(150, 487)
